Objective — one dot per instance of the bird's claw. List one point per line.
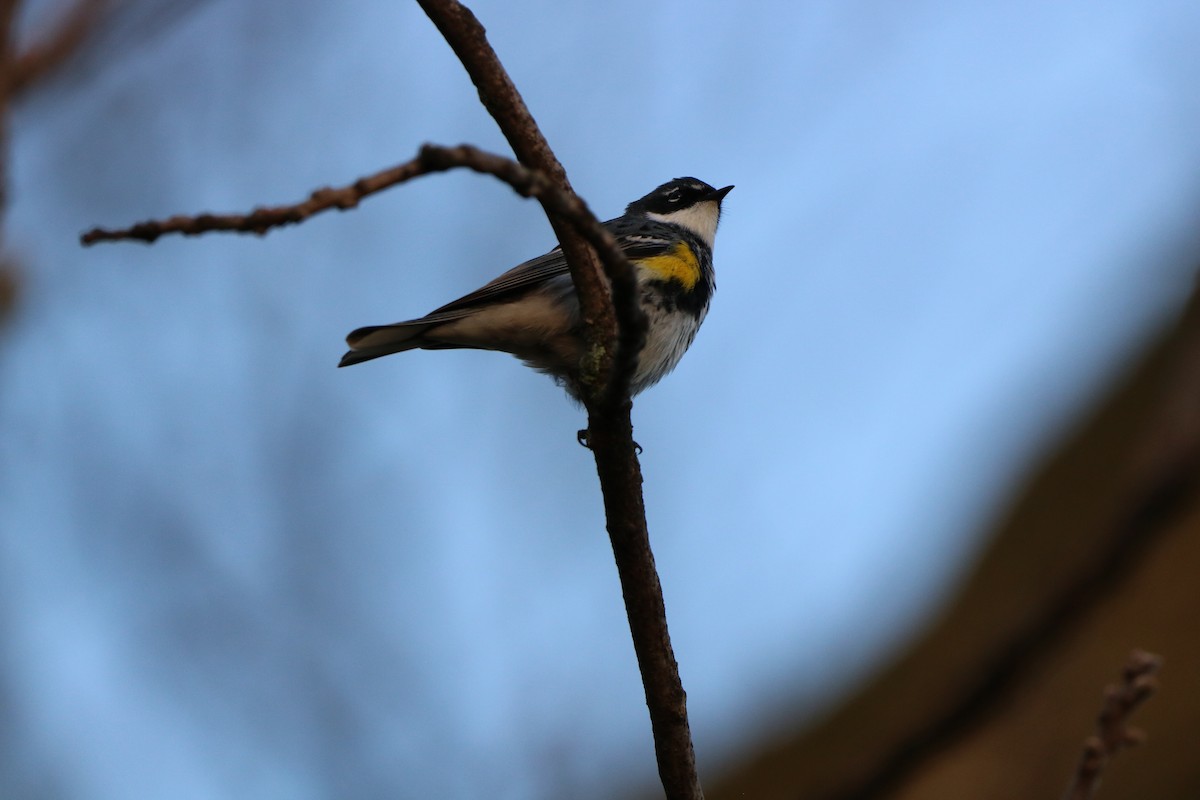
(581, 436)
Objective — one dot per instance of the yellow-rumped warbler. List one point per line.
(532, 311)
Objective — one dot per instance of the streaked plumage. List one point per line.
(532, 311)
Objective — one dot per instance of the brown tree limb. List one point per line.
(612, 321)
(468, 39)
(1113, 733)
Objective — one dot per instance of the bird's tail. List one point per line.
(374, 341)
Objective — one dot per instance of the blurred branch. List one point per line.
(1113, 733)
(53, 50)
(21, 71)
(1163, 489)
(9, 288)
(8, 12)
(8, 280)
(613, 330)
(118, 29)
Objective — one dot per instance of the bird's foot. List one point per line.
(581, 436)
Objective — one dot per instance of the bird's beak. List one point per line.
(717, 195)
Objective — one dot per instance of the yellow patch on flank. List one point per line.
(678, 265)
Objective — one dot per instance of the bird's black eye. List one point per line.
(673, 195)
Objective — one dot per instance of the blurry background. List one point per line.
(228, 569)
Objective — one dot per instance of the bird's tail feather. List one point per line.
(382, 340)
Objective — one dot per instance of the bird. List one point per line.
(532, 310)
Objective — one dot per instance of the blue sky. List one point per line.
(229, 569)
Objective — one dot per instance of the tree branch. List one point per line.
(610, 322)
(430, 159)
(614, 329)
(468, 39)
(1113, 733)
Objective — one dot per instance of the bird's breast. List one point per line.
(679, 264)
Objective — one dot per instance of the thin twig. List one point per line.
(263, 219)
(1113, 733)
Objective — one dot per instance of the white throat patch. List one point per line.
(701, 219)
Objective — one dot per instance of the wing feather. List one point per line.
(639, 238)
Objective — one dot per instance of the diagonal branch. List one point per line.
(606, 375)
(52, 51)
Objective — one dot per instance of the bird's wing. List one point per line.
(637, 238)
(517, 280)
